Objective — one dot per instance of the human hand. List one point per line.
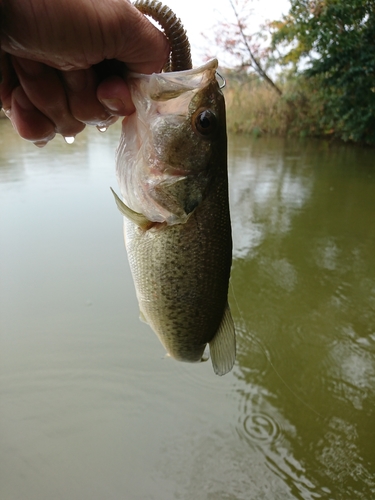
(58, 63)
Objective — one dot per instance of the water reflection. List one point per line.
(90, 406)
(265, 194)
(304, 281)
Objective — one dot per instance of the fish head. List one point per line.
(171, 145)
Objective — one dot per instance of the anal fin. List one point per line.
(223, 345)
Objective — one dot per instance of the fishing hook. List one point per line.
(220, 80)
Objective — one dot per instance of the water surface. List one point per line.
(90, 406)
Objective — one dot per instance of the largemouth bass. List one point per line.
(172, 172)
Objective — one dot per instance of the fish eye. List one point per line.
(205, 122)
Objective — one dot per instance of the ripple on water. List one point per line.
(253, 355)
(259, 428)
(202, 375)
(273, 436)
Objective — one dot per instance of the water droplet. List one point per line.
(40, 144)
(69, 140)
(101, 129)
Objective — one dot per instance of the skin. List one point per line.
(51, 51)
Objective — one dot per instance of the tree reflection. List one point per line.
(304, 282)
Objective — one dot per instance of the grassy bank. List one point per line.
(253, 107)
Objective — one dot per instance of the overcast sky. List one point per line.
(200, 15)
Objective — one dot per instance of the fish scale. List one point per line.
(188, 287)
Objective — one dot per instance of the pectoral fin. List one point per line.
(139, 219)
(223, 345)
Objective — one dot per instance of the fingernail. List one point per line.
(7, 112)
(22, 100)
(31, 68)
(115, 106)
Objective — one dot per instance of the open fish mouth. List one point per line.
(158, 174)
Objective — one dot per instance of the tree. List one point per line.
(245, 47)
(335, 40)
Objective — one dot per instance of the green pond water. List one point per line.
(90, 406)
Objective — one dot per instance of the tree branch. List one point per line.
(256, 63)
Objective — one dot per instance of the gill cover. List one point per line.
(165, 147)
